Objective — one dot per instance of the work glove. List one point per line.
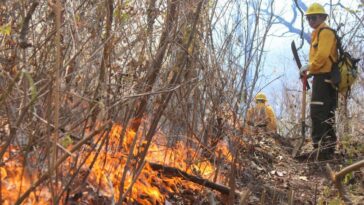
(303, 69)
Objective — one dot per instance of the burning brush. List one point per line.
(108, 171)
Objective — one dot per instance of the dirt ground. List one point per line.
(274, 177)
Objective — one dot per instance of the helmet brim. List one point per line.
(315, 13)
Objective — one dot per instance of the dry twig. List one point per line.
(336, 178)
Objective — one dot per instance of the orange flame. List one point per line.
(150, 187)
(15, 180)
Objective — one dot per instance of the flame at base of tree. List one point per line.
(105, 170)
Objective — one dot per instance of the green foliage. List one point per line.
(66, 141)
(335, 201)
(360, 148)
(124, 17)
(127, 2)
(210, 4)
(121, 13)
(5, 29)
(328, 198)
(327, 191)
(347, 178)
(117, 12)
(351, 148)
(33, 89)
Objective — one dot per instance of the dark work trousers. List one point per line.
(323, 105)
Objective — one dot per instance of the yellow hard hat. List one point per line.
(261, 96)
(315, 8)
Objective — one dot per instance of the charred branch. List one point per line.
(174, 172)
(24, 30)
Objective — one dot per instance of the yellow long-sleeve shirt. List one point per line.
(262, 115)
(321, 49)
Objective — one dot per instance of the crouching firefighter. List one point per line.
(324, 96)
(261, 119)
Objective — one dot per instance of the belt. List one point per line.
(320, 74)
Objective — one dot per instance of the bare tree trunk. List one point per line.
(180, 65)
(57, 9)
(105, 64)
(155, 66)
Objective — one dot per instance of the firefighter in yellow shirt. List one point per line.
(261, 118)
(323, 53)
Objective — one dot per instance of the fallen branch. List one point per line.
(171, 171)
(336, 178)
(350, 168)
